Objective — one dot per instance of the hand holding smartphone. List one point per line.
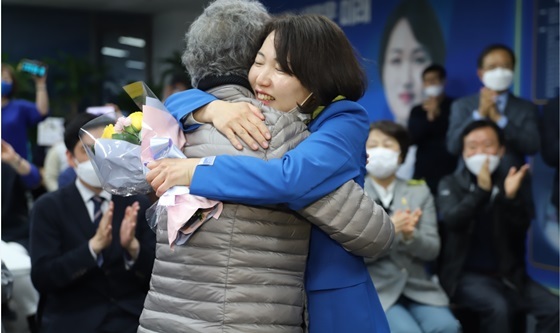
(33, 67)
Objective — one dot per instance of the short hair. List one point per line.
(483, 123)
(425, 28)
(439, 69)
(72, 128)
(223, 39)
(316, 51)
(10, 69)
(493, 47)
(396, 131)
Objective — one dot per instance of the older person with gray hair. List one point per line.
(245, 271)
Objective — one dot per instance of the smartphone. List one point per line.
(32, 67)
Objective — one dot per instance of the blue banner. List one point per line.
(398, 39)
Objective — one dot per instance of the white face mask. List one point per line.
(86, 173)
(475, 162)
(498, 79)
(382, 162)
(433, 91)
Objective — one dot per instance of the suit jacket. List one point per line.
(76, 294)
(15, 211)
(403, 270)
(460, 200)
(521, 131)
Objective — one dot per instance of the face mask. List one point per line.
(498, 79)
(433, 91)
(6, 88)
(382, 163)
(86, 173)
(475, 162)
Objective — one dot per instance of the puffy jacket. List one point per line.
(242, 272)
(245, 270)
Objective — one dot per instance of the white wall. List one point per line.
(168, 35)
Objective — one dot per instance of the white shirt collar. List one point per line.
(385, 194)
(87, 194)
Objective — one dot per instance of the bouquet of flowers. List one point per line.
(116, 152)
(126, 129)
(162, 137)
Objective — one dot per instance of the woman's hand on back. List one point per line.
(236, 121)
(169, 172)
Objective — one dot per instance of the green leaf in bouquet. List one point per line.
(131, 130)
(125, 136)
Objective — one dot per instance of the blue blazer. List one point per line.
(341, 296)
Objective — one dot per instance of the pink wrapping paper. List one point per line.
(161, 124)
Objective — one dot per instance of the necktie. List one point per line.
(500, 105)
(97, 215)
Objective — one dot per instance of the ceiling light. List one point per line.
(132, 41)
(133, 64)
(112, 52)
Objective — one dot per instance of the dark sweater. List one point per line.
(433, 161)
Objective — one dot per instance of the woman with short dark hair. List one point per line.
(412, 300)
(314, 51)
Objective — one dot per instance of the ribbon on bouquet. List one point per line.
(185, 212)
(162, 137)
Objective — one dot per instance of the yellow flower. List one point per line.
(136, 119)
(108, 132)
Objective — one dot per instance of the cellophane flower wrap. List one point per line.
(162, 137)
(116, 151)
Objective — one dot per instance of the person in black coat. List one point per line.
(484, 221)
(427, 127)
(91, 278)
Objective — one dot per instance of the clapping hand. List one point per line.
(406, 221)
(9, 155)
(103, 235)
(483, 178)
(408, 228)
(431, 106)
(128, 230)
(513, 180)
(487, 102)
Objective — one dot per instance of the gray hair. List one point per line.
(223, 40)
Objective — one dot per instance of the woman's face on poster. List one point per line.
(405, 59)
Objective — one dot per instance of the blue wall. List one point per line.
(467, 26)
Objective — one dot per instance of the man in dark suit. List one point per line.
(485, 221)
(518, 118)
(427, 126)
(91, 253)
